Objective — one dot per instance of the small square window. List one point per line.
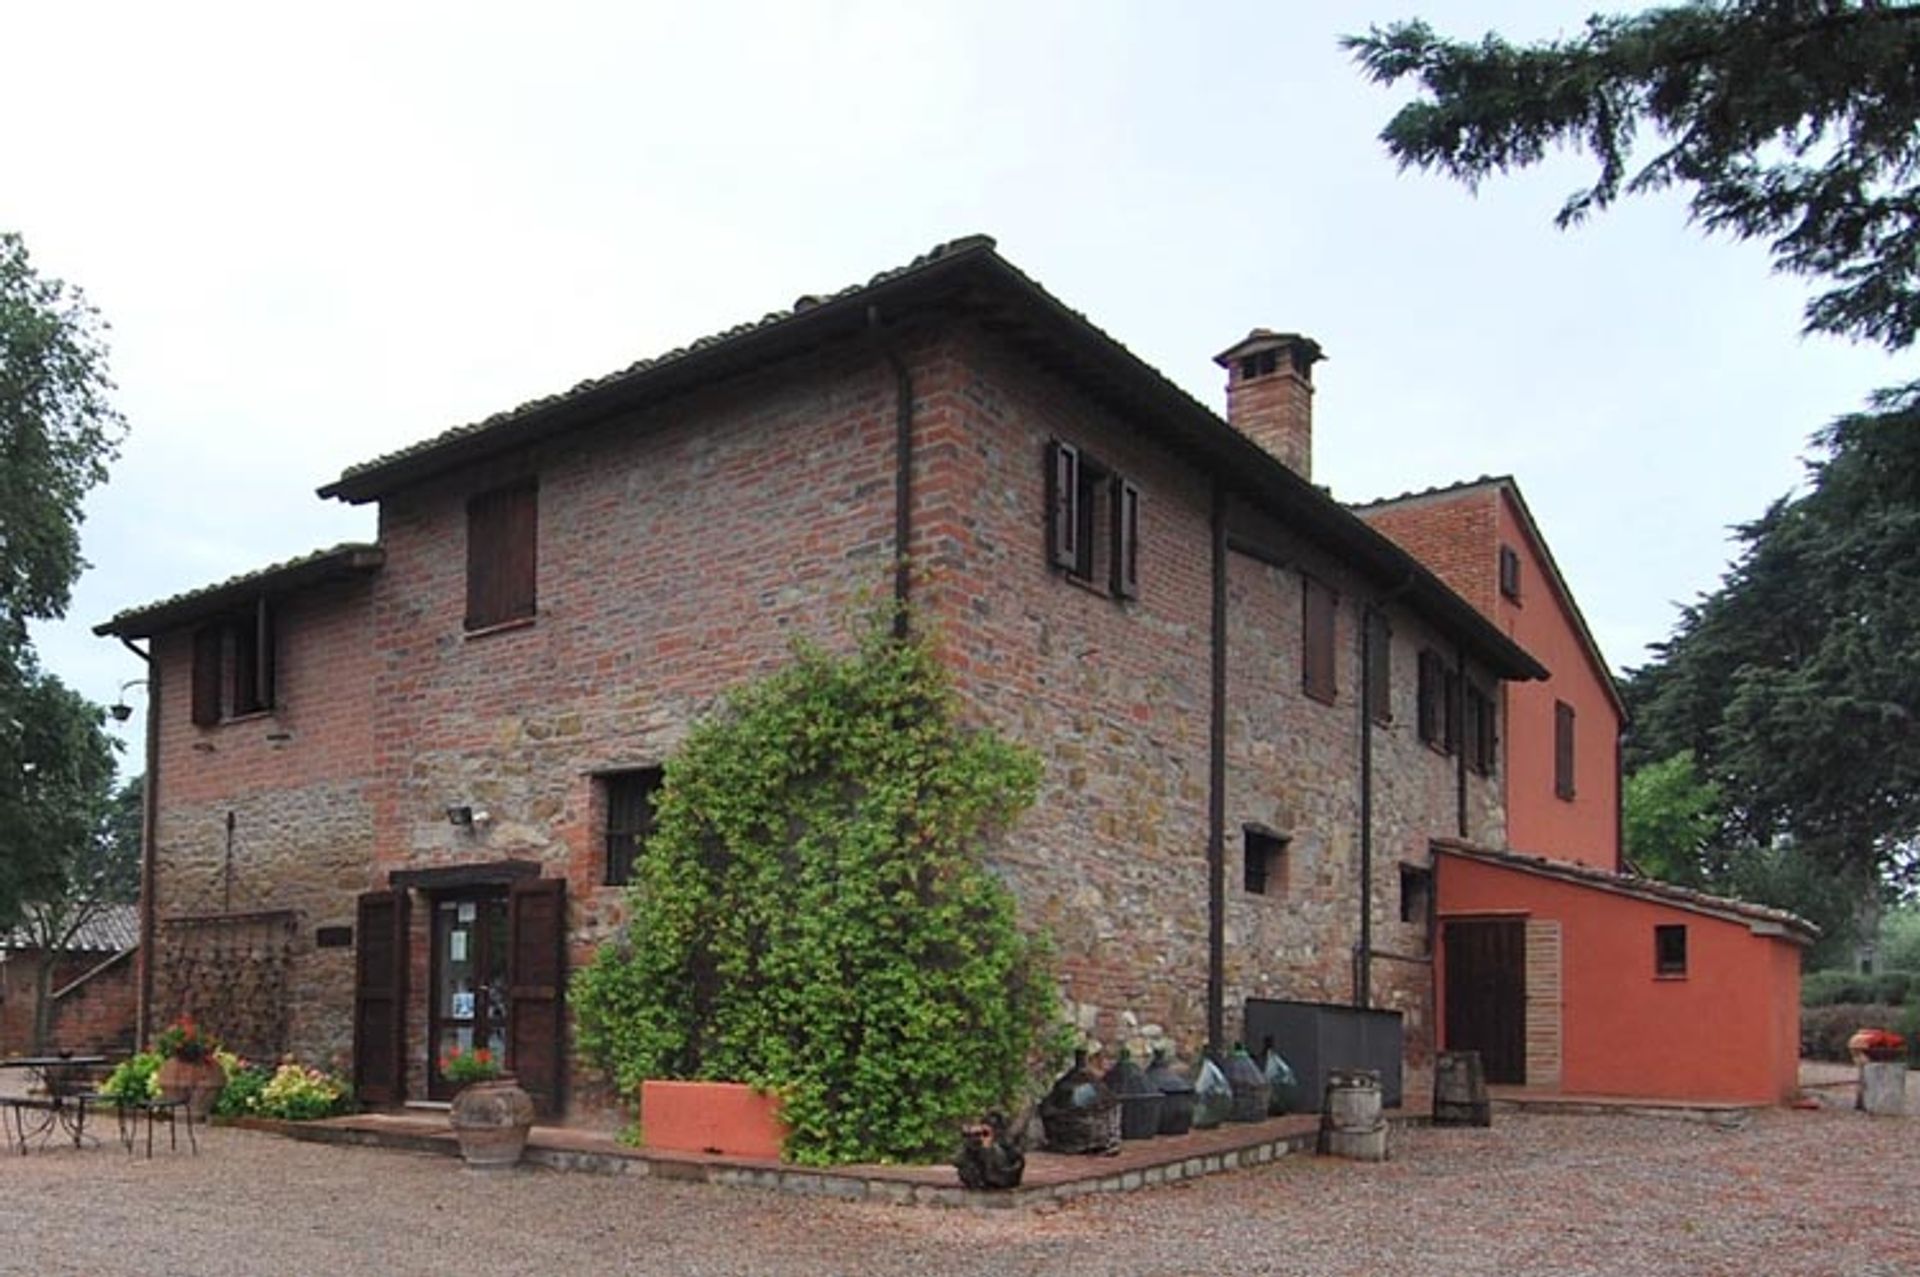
(1670, 951)
(1416, 893)
(1265, 868)
(630, 798)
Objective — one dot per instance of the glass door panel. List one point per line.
(467, 1007)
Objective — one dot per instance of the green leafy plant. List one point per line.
(132, 1080)
(812, 916)
(300, 1094)
(186, 1040)
(462, 1067)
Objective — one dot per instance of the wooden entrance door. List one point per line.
(1487, 995)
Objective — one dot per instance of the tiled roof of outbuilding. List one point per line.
(112, 929)
(1633, 885)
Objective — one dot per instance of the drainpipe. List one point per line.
(1363, 955)
(1217, 784)
(149, 862)
(1619, 801)
(902, 476)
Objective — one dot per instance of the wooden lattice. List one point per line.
(229, 971)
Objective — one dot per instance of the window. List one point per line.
(1265, 856)
(630, 798)
(233, 666)
(1670, 951)
(1510, 572)
(1316, 649)
(500, 556)
(1563, 750)
(1439, 693)
(1379, 671)
(1479, 736)
(1093, 522)
(1416, 893)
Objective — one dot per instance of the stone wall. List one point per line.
(1112, 861)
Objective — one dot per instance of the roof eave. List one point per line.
(340, 564)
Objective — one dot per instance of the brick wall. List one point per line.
(295, 782)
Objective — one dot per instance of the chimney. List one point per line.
(1270, 394)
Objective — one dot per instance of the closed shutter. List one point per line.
(536, 987)
(380, 999)
(1126, 540)
(1317, 669)
(206, 675)
(1562, 749)
(1063, 506)
(501, 555)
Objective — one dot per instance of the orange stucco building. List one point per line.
(1566, 973)
(1561, 745)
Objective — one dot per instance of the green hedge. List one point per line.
(1836, 988)
(1824, 1030)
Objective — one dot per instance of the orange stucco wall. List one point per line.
(1586, 827)
(1728, 1030)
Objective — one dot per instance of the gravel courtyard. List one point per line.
(1792, 1193)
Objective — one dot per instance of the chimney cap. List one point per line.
(1266, 339)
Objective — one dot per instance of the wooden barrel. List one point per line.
(1460, 1090)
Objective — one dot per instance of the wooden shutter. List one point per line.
(1063, 506)
(502, 527)
(1509, 572)
(537, 986)
(1379, 672)
(1126, 540)
(1429, 711)
(1317, 669)
(206, 675)
(380, 999)
(1562, 749)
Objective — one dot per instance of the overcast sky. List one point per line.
(323, 232)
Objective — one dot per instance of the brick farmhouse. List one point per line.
(398, 786)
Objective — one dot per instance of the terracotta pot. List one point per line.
(198, 1082)
(491, 1120)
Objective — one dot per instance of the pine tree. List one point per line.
(1792, 121)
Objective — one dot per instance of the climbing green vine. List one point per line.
(811, 913)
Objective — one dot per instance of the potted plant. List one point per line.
(188, 1070)
(491, 1115)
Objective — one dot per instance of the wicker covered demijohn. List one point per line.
(1283, 1086)
(1212, 1094)
(1140, 1100)
(1249, 1085)
(1176, 1094)
(1080, 1114)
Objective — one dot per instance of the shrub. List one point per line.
(1835, 987)
(1824, 1030)
(301, 1094)
(133, 1078)
(811, 914)
(240, 1095)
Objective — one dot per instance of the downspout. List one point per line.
(1217, 784)
(149, 861)
(1620, 800)
(902, 476)
(1363, 955)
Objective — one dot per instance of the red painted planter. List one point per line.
(727, 1118)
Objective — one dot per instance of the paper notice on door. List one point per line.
(457, 946)
(468, 911)
(463, 1006)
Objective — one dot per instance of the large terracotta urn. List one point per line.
(491, 1120)
(198, 1082)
